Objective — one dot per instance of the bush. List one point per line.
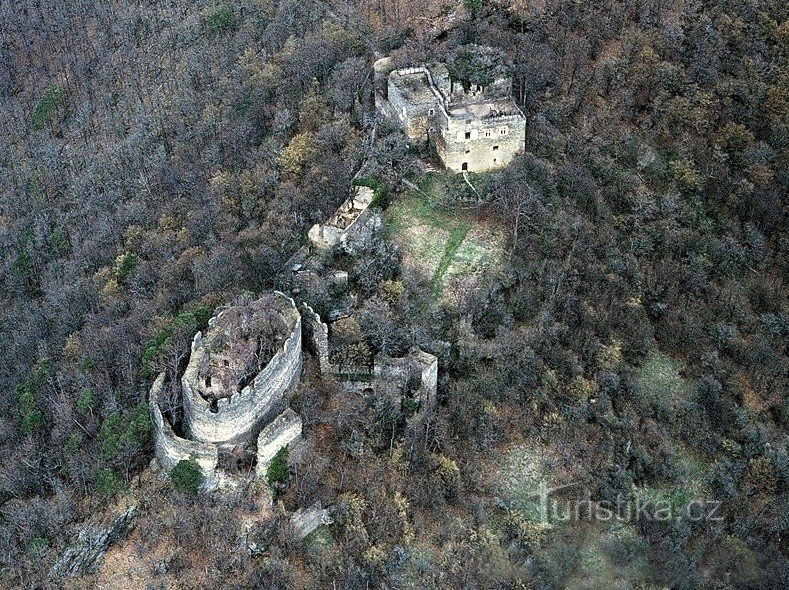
(187, 476)
(107, 483)
(44, 113)
(84, 401)
(219, 20)
(278, 468)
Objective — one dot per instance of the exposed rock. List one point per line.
(306, 520)
(91, 545)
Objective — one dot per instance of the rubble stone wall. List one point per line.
(171, 448)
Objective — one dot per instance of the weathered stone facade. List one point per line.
(171, 448)
(316, 334)
(413, 378)
(476, 129)
(227, 395)
(346, 223)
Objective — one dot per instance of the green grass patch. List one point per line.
(456, 237)
(423, 206)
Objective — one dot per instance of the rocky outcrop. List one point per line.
(281, 432)
(305, 520)
(91, 544)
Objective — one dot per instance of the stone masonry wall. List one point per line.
(281, 432)
(316, 334)
(170, 448)
(488, 148)
(237, 418)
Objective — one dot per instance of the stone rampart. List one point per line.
(237, 417)
(280, 433)
(316, 335)
(171, 448)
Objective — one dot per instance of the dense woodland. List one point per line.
(158, 158)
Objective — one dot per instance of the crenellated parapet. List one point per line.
(239, 369)
(232, 382)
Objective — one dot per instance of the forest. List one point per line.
(160, 158)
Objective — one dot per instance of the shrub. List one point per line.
(380, 191)
(219, 20)
(107, 483)
(84, 401)
(37, 546)
(52, 99)
(124, 266)
(187, 476)
(25, 403)
(278, 468)
(121, 431)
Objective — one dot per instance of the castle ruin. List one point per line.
(231, 391)
(473, 129)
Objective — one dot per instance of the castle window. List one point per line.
(431, 112)
(226, 362)
(487, 133)
(503, 131)
(495, 148)
(464, 166)
(208, 381)
(468, 134)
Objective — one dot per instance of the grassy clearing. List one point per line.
(443, 231)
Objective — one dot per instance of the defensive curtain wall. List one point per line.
(220, 416)
(232, 415)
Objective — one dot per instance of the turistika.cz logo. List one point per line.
(623, 509)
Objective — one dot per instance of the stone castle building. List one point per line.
(475, 129)
(232, 392)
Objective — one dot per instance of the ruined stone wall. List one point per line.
(347, 222)
(169, 447)
(283, 431)
(412, 118)
(493, 143)
(316, 334)
(393, 375)
(236, 419)
(429, 380)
